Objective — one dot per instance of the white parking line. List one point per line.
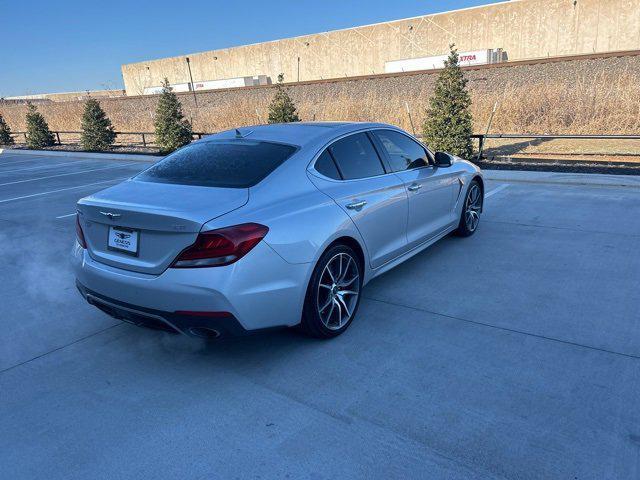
(64, 174)
(496, 190)
(22, 160)
(40, 167)
(67, 215)
(61, 190)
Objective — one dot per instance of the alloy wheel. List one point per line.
(472, 207)
(338, 291)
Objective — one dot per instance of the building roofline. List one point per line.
(35, 96)
(298, 37)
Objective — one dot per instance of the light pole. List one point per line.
(193, 88)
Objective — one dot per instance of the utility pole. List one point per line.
(193, 88)
(406, 104)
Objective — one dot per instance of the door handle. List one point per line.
(356, 205)
(414, 187)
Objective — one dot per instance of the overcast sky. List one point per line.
(79, 45)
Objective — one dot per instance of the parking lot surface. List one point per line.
(513, 354)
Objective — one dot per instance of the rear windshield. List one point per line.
(230, 164)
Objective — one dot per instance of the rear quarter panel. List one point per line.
(302, 220)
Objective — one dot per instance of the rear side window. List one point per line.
(356, 157)
(326, 166)
(404, 153)
(230, 164)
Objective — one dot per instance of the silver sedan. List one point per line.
(269, 226)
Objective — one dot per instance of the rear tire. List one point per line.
(333, 294)
(471, 209)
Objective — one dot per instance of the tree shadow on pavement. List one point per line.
(512, 149)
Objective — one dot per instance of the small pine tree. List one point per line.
(448, 126)
(38, 133)
(172, 129)
(282, 108)
(5, 133)
(97, 131)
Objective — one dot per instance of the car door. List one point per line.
(353, 174)
(431, 190)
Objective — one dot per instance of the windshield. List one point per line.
(228, 164)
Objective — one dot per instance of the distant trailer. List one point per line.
(232, 83)
(213, 84)
(176, 87)
(466, 59)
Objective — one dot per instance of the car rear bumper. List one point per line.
(260, 291)
(222, 324)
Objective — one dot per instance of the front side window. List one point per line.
(227, 164)
(356, 157)
(404, 153)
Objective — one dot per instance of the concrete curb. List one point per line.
(594, 179)
(88, 155)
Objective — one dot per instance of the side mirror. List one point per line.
(442, 159)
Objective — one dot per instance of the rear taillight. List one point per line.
(79, 232)
(221, 247)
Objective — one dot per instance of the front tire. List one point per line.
(471, 209)
(333, 294)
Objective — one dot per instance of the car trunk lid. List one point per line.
(163, 218)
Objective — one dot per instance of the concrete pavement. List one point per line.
(511, 354)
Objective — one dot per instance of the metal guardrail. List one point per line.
(483, 137)
(143, 135)
(568, 136)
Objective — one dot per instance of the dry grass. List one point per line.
(601, 150)
(607, 102)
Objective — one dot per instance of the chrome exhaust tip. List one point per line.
(204, 332)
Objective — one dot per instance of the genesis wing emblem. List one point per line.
(111, 215)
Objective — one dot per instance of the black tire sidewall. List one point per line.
(311, 321)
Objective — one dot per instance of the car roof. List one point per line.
(295, 133)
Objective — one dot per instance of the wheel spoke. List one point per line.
(349, 282)
(324, 307)
(474, 194)
(347, 292)
(323, 285)
(328, 269)
(333, 306)
(337, 303)
(344, 304)
(345, 272)
(473, 218)
(469, 220)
